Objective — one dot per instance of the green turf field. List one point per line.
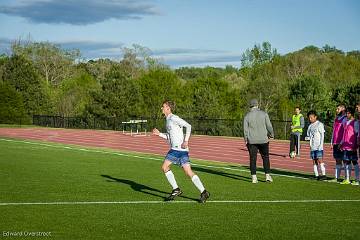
(103, 194)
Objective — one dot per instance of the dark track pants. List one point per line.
(295, 143)
(264, 152)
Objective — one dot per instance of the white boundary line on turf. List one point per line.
(136, 156)
(178, 202)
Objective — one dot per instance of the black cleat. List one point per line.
(175, 192)
(204, 196)
(323, 178)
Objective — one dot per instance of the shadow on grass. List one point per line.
(221, 173)
(142, 188)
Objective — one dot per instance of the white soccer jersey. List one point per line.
(175, 134)
(316, 134)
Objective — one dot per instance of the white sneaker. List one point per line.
(254, 179)
(268, 178)
(356, 183)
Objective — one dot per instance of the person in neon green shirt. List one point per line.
(297, 125)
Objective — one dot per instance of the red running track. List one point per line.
(222, 149)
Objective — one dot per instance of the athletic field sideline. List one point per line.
(60, 191)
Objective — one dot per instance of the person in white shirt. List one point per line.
(179, 151)
(315, 133)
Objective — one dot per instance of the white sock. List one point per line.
(322, 167)
(316, 170)
(348, 171)
(338, 171)
(356, 170)
(171, 178)
(196, 180)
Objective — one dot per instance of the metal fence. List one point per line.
(214, 127)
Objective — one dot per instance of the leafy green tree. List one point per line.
(236, 81)
(52, 62)
(98, 69)
(258, 54)
(3, 60)
(156, 86)
(303, 62)
(268, 84)
(328, 49)
(74, 94)
(348, 94)
(132, 65)
(118, 96)
(210, 97)
(311, 93)
(11, 105)
(22, 75)
(137, 59)
(188, 73)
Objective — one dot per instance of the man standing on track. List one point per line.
(336, 138)
(297, 125)
(315, 134)
(349, 146)
(179, 152)
(257, 131)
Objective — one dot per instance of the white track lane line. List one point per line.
(179, 202)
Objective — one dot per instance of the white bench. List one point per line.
(137, 123)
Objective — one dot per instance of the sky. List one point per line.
(182, 32)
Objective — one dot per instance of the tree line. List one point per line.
(43, 78)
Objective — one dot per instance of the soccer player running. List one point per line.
(315, 133)
(297, 125)
(337, 135)
(179, 152)
(349, 145)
